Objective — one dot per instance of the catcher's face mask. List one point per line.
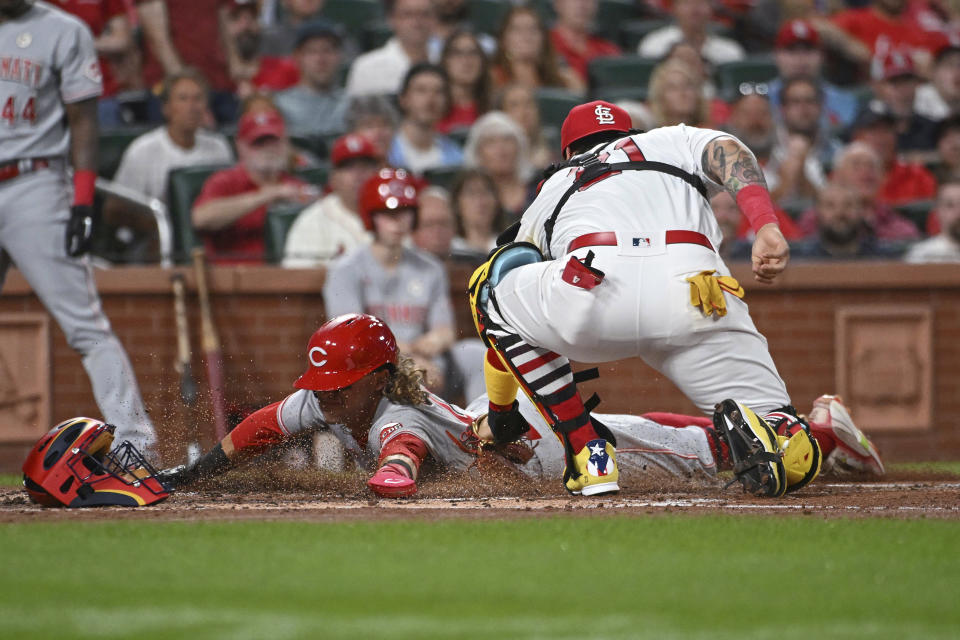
(73, 466)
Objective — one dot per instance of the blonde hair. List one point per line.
(406, 384)
(658, 82)
(498, 123)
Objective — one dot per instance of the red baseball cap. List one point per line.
(260, 124)
(797, 33)
(593, 117)
(895, 64)
(352, 146)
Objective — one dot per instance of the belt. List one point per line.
(14, 168)
(609, 239)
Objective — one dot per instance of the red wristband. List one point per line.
(84, 184)
(755, 203)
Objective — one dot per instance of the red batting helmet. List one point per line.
(73, 466)
(388, 190)
(590, 118)
(345, 349)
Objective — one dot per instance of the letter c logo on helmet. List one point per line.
(313, 360)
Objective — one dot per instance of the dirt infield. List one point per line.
(315, 496)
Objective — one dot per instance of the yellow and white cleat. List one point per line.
(754, 449)
(595, 470)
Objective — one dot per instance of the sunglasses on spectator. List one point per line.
(753, 89)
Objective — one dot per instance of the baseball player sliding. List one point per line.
(49, 83)
(359, 386)
(617, 257)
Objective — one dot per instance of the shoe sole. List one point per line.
(598, 489)
(734, 421)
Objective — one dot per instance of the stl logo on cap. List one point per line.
(604, 116)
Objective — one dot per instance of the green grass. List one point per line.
(11, 480)
(713, 578)
(927, 467)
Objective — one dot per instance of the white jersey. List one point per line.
(446, 430)
(47, 59)
(644, 204)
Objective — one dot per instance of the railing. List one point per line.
(156, 207)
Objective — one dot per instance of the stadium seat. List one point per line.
(620, 71)
(442, 176)
(113, 142)
(184, 185)
(354, 15)
(311, 144)
(917, 212)
(486, 15)
(632, 32)
(317, 176)
(375, 35)
(459, 135)
(279, 220)
(611, 14)
(619, 94)
(730, 75)
(555, 104)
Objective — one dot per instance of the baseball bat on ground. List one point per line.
(188, 386)
(211, 345)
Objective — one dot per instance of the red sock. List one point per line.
(572, 409)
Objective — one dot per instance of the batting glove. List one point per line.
(392, 481)
(80, 228)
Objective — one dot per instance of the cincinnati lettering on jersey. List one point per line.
(409, 314)
(21, 70)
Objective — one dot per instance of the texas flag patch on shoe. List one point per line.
(599, 463)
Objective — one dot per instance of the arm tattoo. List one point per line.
(731, 164)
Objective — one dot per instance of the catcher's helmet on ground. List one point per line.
(593, 117)
(389, 190)
(73, 466)
(345, 349)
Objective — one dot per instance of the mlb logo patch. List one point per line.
(641, 242)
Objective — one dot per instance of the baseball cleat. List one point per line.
(595, 470)
(854, 453)
(754, 450)
(391, 482)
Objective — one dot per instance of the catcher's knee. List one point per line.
(502, 260)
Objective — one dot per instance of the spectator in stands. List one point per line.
(452, 16)
(520, 103)
(375, 118)
(250, 70)
(940, 98)
(231, 210)
(701, 69)
(470, 86)
(525, 55)
(944, 247)
(842, 232)
(279, 39)
(188, 32)
(859, 168)
(478, 214)
(948, 150)
(881, 26)
(332, 227)
(692, 19)
(424, 99)
(903, 182)
(498, 145)
(751, 120)
(406, 287)
(435, 223)
(380, 72)
(571, 35)
(798, 53)
(729, 219)
(317, 105)
(895, 83)
(803, 153)
(113, 39)
(675, 96)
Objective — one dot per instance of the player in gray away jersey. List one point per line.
(359, 387)
(49, 84)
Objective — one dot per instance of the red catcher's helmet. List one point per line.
(345, 349)
(73, 466)
(388, 190)
(590, 118)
